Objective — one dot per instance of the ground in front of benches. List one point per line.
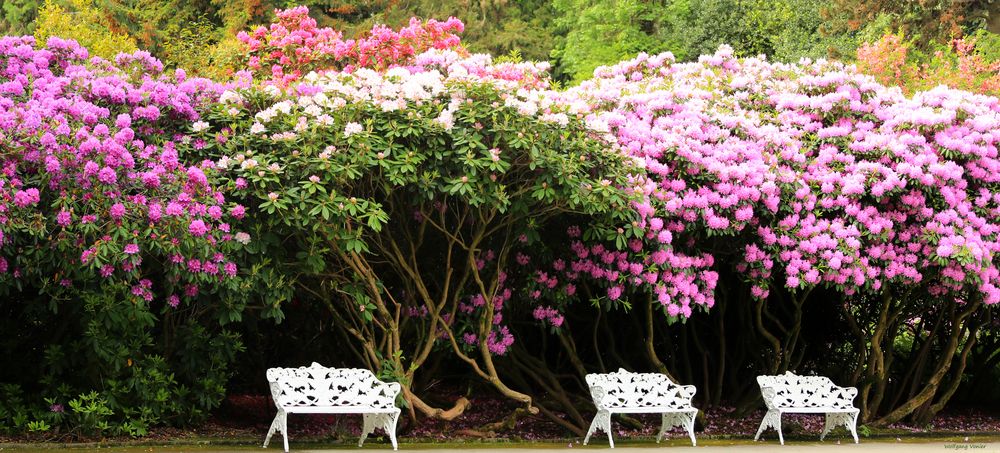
(987, 444)
(253, 415)
(244, 419)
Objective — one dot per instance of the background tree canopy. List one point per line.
(576, 35)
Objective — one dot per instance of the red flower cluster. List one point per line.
(293, 46)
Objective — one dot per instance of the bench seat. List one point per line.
(813, 410)
(336, 410)
(645, 410)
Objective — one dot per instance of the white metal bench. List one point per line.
(640, 393)
(791, 393)
(321, 390)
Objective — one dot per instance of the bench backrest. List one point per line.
(623, 389)
(321, 386)
(793, 391)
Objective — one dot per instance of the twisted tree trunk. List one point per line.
(931, 388)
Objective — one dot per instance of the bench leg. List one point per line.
(387, 422)
(390, 428)
(280, 423)
(772, 419)
(367, 427)
(829, 423)
(690, 427)
(761, 428)
(271, 431)
(854, 425)
(683, 419)
(602, 422)
(666, 422)
(781, 437)
(834, 419)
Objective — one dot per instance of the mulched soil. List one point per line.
(244, 417)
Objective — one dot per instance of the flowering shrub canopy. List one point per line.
(93, 189)
(810, 165)
(356, 157)
(833, 178)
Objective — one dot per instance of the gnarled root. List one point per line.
(460, 406)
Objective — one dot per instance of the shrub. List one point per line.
(369, 181)
(961, 64)
(108, 238)
(439, 206)
(294, 45)
(828, 179)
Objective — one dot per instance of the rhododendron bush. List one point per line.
(831, 185)
(830, 180)
(428, 159)
(294, 45)
(962, 63)
(416, 192)
(839, 180)
(104, 227)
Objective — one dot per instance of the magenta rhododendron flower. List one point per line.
(198, 227)
(98, 140)
(117, 211)
(64, 218)
(26, 197)
(107, 176)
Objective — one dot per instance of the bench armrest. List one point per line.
(392, 389)
(847, 395)
(770, 396)
(851, 392)
(597, 393)
(275, 394)
(687, 392)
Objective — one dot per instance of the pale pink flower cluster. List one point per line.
(832, 178)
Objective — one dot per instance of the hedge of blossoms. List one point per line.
(641, 256)
(92, 184)
(430, 199)
(294, 46)
(842, 181)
